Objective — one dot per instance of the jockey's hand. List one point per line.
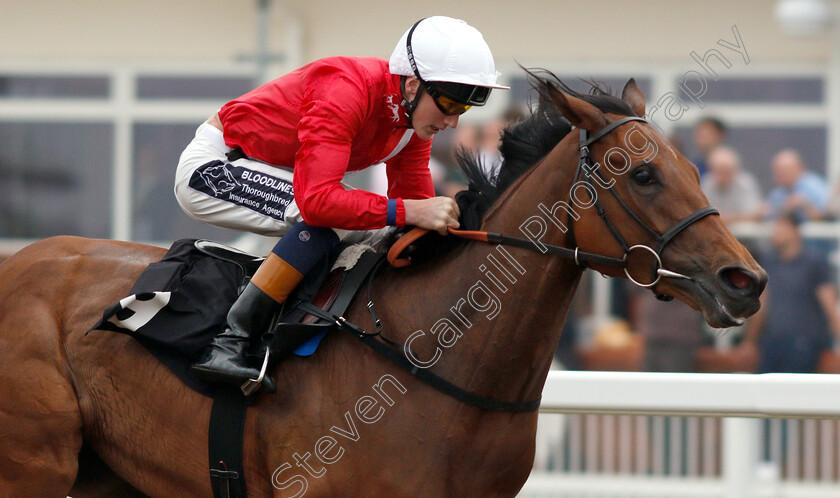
(436, 213)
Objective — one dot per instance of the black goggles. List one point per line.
(451, 98)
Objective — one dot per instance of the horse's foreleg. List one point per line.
(40, 421)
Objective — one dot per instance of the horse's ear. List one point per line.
(634, 97)
(580, 113)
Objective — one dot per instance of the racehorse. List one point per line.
(96, 415)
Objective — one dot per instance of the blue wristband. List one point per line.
(391, 218)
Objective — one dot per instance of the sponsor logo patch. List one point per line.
(262, 193)
(218, 177)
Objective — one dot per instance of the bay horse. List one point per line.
(96, 415)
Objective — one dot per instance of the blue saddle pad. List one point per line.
(309, 347)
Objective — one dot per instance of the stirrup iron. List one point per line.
(251, 386)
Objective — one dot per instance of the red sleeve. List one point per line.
(408, 172)
(332, 113)
(409, 176)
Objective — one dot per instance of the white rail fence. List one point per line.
(657, 435)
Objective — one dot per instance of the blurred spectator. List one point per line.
(730, 189)
(798, 190)
(671, 331)
(798, 308)
(564, 355)
(490, 137)
(465, 136)
(833, 209)
(488, 149)
(709, 133)
(514, 114)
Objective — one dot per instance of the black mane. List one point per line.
(522, 146)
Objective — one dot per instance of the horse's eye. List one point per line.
(643, 176)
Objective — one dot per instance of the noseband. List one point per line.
(586, 163)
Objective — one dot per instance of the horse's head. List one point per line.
(634, 188)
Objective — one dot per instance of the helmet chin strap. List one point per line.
(410, 106)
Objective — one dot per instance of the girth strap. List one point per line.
(225, 436)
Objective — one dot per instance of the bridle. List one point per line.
(582, 258)
(586, 162)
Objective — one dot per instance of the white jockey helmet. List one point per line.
(448, 56)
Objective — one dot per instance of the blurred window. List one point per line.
(58, 171)
(193, 87)
(520, 89)
(22, 86)
(769, 90)
(156, 214)
(55, 179)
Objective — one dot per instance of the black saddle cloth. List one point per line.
(179, 303)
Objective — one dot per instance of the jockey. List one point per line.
(272, 161)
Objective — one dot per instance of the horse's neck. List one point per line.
(509, 303)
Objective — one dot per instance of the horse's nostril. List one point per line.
(738, 281)
(737, 278)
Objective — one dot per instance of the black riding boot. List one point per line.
(224, 360)
(275, 279)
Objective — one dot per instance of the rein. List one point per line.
(395, 352)
(581, 258)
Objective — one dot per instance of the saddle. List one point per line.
(180, 303)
